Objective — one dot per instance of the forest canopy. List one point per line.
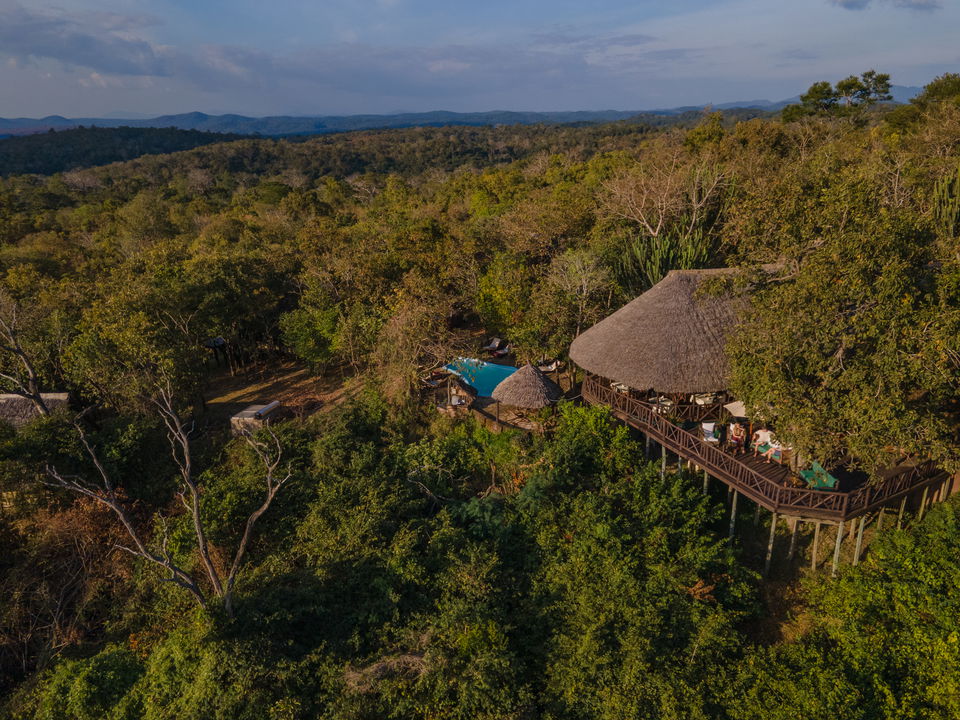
(376, 560)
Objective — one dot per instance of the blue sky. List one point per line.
(258, 57)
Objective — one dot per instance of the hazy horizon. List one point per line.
(77, 58)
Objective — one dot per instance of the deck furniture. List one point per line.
(818, 478)
(762, 482)
(711, 433)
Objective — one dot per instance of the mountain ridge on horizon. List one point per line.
(282, 125)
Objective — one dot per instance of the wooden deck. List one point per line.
(767, 484)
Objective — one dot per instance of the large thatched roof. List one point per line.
(18, 410)
(527, 388)
(670, 339)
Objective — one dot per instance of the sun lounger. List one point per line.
(818, 479)
(493, 345)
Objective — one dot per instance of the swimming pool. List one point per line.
(481, 376)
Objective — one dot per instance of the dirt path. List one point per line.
(292, 384)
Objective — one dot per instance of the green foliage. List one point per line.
(850, 94)
(885, 643)
(310, 334)
(417, 567)
(941, 92)
(844, 356)
(89, 689)
(946, 209)
(54, 152)
(646, 260)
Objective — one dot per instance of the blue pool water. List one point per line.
(480, 375)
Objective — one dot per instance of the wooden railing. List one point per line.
(804, 502)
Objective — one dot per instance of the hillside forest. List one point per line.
(375, 559)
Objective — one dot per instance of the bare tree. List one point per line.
(583, 280)
(104, 490)
(20, 376)
(665, 194)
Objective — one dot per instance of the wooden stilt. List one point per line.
(859, 545)
(793, 538)
(879, 519)
(646, 448)
(923, 503)
(706, 482)
(663, 461)
(836, 549)
(733, 515)
(903, 506)
(773, 535)
(756, 514)
(816, 543)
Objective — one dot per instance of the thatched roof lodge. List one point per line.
(671, 339)
(18, 410)
(527, 388)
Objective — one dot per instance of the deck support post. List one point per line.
(923, 503)
(836, 549)
(773, 535)
(903, 506)
(793, 539)
(733, 515)
(816, 543)
(646, 447)
(859, 545)
(663, 461)
(756, 514)
(706, 482)
(879, 519)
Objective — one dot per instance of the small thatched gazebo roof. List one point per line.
(670, 339)
(527, 388)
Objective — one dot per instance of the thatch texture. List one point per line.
(18, 410)
(670, 339)
(527, 388)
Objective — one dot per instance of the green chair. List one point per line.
(818, 479)
(776, 456)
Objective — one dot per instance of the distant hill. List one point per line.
(280, 125)
(52, 152)
(287, 126)
(291, 125)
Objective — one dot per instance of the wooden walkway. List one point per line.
(767, 484)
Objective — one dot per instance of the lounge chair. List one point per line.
(777, 451)
(502, 352)
(818, 479)
(494, 345)
(711, 433)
